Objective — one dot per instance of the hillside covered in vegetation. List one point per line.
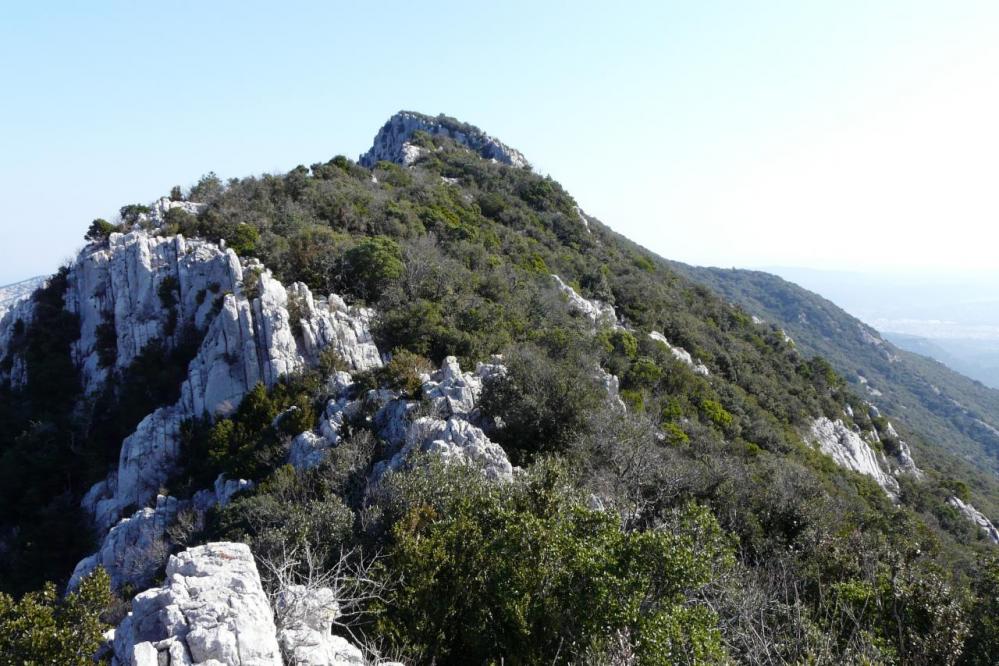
(491, 428)
(944, 411)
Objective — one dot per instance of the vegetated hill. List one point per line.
(938, 407)
(449, 412)
(974, 358)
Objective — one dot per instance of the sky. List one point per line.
(836, 135)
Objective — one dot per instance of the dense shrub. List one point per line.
(528, 575)
(542, 403)
(42, 628)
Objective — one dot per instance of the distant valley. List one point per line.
(953, 319)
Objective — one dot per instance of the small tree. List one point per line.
(99, 231)
(209, 187)
(130, 213)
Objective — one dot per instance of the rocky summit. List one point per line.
(420, 409)
(393, 143)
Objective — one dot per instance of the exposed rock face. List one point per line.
(977, 517)
(613, 387)
(681, 354)
(159, 208)
(905, 463)
(456, 393)
(452, 433)
(211, 610)
(251, 339)
(144, 288)
(849, 450)
(134, 548)
(597, 311)
(305, 618)
(392, 144)
(455, 441)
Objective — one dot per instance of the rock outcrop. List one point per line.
(212, 610)
(251, 338)
(596, 311)
(392, 143)
(850, 450)
(681, 354)
(305, 617)
(134, 549)
(977, 517)
(452, 431)
(138, 288)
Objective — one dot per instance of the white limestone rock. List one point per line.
(392, 143)
(849, 450)
(681, 354)
(596, 311)
(211, 610)
(120, 284)
(305, 618)
(247, 342)
(159, 208)
(613, 387)
(221, 493)
(456, 393)
(455, 440)
(330, 323)
(976, 517)
(134, 549)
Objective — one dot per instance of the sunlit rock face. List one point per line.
(249, 337)
(681, 354)
(596, 311)
(211, 609)
(139, 289)
(977, 517)
(392, 143)
(451, 431)
(849, 450)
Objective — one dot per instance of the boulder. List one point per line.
(211, 610)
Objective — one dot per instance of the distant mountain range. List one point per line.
(12, 293)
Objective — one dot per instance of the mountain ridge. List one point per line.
(625, 435)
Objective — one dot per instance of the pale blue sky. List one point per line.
(834, 134)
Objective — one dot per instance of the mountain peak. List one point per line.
(392, 143)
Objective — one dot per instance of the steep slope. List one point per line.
(634, 471)
(943, 410)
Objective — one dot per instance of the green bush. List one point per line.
(371, 265)
(99, 231)
(543, 403)
(243, 239)
(528, 575)
(41, 628)
(404, 372)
